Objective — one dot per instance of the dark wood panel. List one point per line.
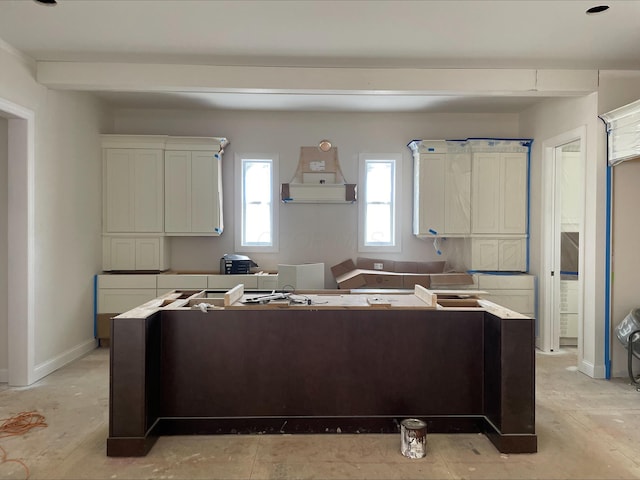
(319, 363)
(300, 371)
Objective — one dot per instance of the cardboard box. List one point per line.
(360, 278)
(342, 268)
(411, 280)
(399, 267)
(427, 274)
(375, 264)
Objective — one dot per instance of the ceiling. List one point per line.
(456, 34)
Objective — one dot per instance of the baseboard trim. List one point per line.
(594, 371)
(53, 364)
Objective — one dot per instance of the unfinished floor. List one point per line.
(587, 429)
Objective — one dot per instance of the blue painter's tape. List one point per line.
(607, 279)
(432, 231)
(431, 149)
(95, 306)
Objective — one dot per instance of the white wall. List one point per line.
(68, 220)
(545, 121)
(619, 88)
(4, 352)
(67, 210)
(310, 233)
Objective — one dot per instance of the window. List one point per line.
(378, 203)
(256, 230)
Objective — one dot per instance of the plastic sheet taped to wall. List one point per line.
(623, 133)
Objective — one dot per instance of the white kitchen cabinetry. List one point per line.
(568, 311)
(499, 254)
(442, 179)
(499, 193)
(515, 292)
(124, 252)
(120, 293)
(249, 281)
(193, 188)
(168, 283)
(133, 185)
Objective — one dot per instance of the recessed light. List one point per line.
(48, 3)
(597, 9)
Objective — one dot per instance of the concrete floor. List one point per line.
(587, 429)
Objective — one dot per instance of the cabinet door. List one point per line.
(514, 193)
(499, 193)
(118, 190)
(521, 301)
(485, 193)
(133, 190)
(512, 255)
(429, 191)
(484, 254)
(205, 205)
(177, 178)
(457, 197)
(148, 191)
(117, 300)
(147, 254)
(119, 254)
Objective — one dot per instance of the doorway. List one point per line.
(561, 283)
(20, 225)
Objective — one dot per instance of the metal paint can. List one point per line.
(413, 439)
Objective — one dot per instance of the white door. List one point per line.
(561, 298)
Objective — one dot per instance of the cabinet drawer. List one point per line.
(521, 301)
(230, 281)
(119, 300)
(196, 282)
(267, 282)
(486, 282)
(127, 281)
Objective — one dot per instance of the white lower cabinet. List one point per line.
(129, 253)
(119, 293)
(250, 282)
(499, 254)
(168, 283)
(515, 292)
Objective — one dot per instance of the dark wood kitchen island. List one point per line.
(180, 368)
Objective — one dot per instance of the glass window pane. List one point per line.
(378, 228)
(379, 182)
(256, 202)
(379, 199)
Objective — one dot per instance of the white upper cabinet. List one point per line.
(442, 182)
(133, 190)
(133, 175)
(499, 193)
(193, 193)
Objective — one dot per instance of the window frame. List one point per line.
(363, 159)
(240, 158)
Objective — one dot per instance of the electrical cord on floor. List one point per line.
(19, 425)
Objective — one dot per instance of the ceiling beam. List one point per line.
(133, 77)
